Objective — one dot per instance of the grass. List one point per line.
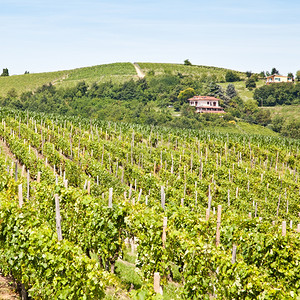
(129, 257)
(116, 72)
(29, 82)
(241, 89)
(128, 274)
(172, 291)
(131, 279)
(255, 129)
(286, 111)
(244, 128)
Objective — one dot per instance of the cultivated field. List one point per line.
(117, 72)
(196, 71)
(100, 210)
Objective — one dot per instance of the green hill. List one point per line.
(193, 70)
(290, 112)
(241, 89)
(115, 72)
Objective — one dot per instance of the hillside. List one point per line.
(241, 89)
(286, 111)
(120, 202)
(115, 72)
(193, 70)
(152, 102)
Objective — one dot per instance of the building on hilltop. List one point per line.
(206, 104)
(278, 78)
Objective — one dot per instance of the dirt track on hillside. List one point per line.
(140, 73)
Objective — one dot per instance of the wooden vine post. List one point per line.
(89, 187)
(277, 212)
(163, 197)
(110, 197)
(209, 203)
(28, 184)
(20, 189)
(283, 228)
(218, 225)
(157, 287)
(38, 177)
(233, 259)
(228, 197)
(207, 214)
(164, 234)
(16, 171)
(58, 218)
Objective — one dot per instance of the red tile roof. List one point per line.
(203, 98)
(215, 107)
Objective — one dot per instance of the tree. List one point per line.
(277, 123)
(81, 88)
(5, 72)
(262, 117)
(262, 74)
(271, 101)
(274, 71)
(250, 83)
(230, 76)
(248, 74)
(250, 107)
(291, 75)
(255, 76)
(230, 91)
(215, 90)
(291, 128)
(186, 94)
(298, 75)
(187, 63)
(187, 110)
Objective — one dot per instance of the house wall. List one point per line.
(278, 79)
(201, 103)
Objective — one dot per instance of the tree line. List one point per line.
(278, 94)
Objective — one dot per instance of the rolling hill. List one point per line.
(115, 72)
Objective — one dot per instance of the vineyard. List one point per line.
(194, 71)
(115, 72)
(214, 214)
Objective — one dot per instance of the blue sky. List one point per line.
(40, 36)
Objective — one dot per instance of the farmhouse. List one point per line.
(206, 104)
(278, 78)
